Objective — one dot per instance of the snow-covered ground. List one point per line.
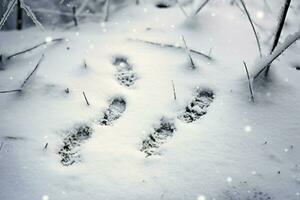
(236, 150)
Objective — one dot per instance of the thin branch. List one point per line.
(174, 91)
(86, 100)
(280, 25)
(68, 14)
(34, 47)
(253, 28)
(183, 11)
(29, 76)
(74, 16)
(30, 14)
(241, 9)
(82, 6)
(84, 64)
(188, 53)
(106, 14)
(173, 46)
(10, 8)
(1, 146)
(278, 51)
(249, 82)
(201, 6)
(10, 91)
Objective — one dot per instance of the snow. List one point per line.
(235, 151)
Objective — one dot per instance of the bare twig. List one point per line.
(74, 16)
(249, 82)
(174, 91)
(1, 146)
(86, 100)
(188, 53)
(34, 47)
(282, 18)
(46, 145)
(201, 6)
(173, 46)
(9, 10)
(29, 76)
(183, 11)
(278, 51)
(253, 28)
(19, 16)
(106, 14)
(10, 91)
(84, 64)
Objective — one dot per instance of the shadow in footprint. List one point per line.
(125, 74)
(165, 129)
(198, 107)
(69, 152)
(114, 111)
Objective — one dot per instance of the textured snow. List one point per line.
(238, 150)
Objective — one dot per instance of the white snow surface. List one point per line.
(236, 149)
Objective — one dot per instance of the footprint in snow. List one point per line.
(73, 139)
(161, 132)
(198, 106)
(125, 74)
(114, 111)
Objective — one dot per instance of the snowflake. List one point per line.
(201, 197)
(260, 14)
(248, 129)
(45, 197)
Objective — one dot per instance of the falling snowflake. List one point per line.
(229, 179)
(48, 39)
(201, 197)
(260, 14)
(45, 197)
(248, 129)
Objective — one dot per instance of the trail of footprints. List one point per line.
(162, 131)
(166, 129)
(69, 152)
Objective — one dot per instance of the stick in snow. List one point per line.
(1, 146)
(106, 14)
(174, 91)
(26, 80)
(84, 64)
(253, 28)
(86, 100)
(173, 46)
(29, 76)
(188, 53)
(30, 14)
(278, 51)
(183, 11)
(74, 16)
(10, 91)
(249, 82)
(279, 29)
(45, 147)
(19, 16)
(10, 8)
(34, 47)
(201, 6)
